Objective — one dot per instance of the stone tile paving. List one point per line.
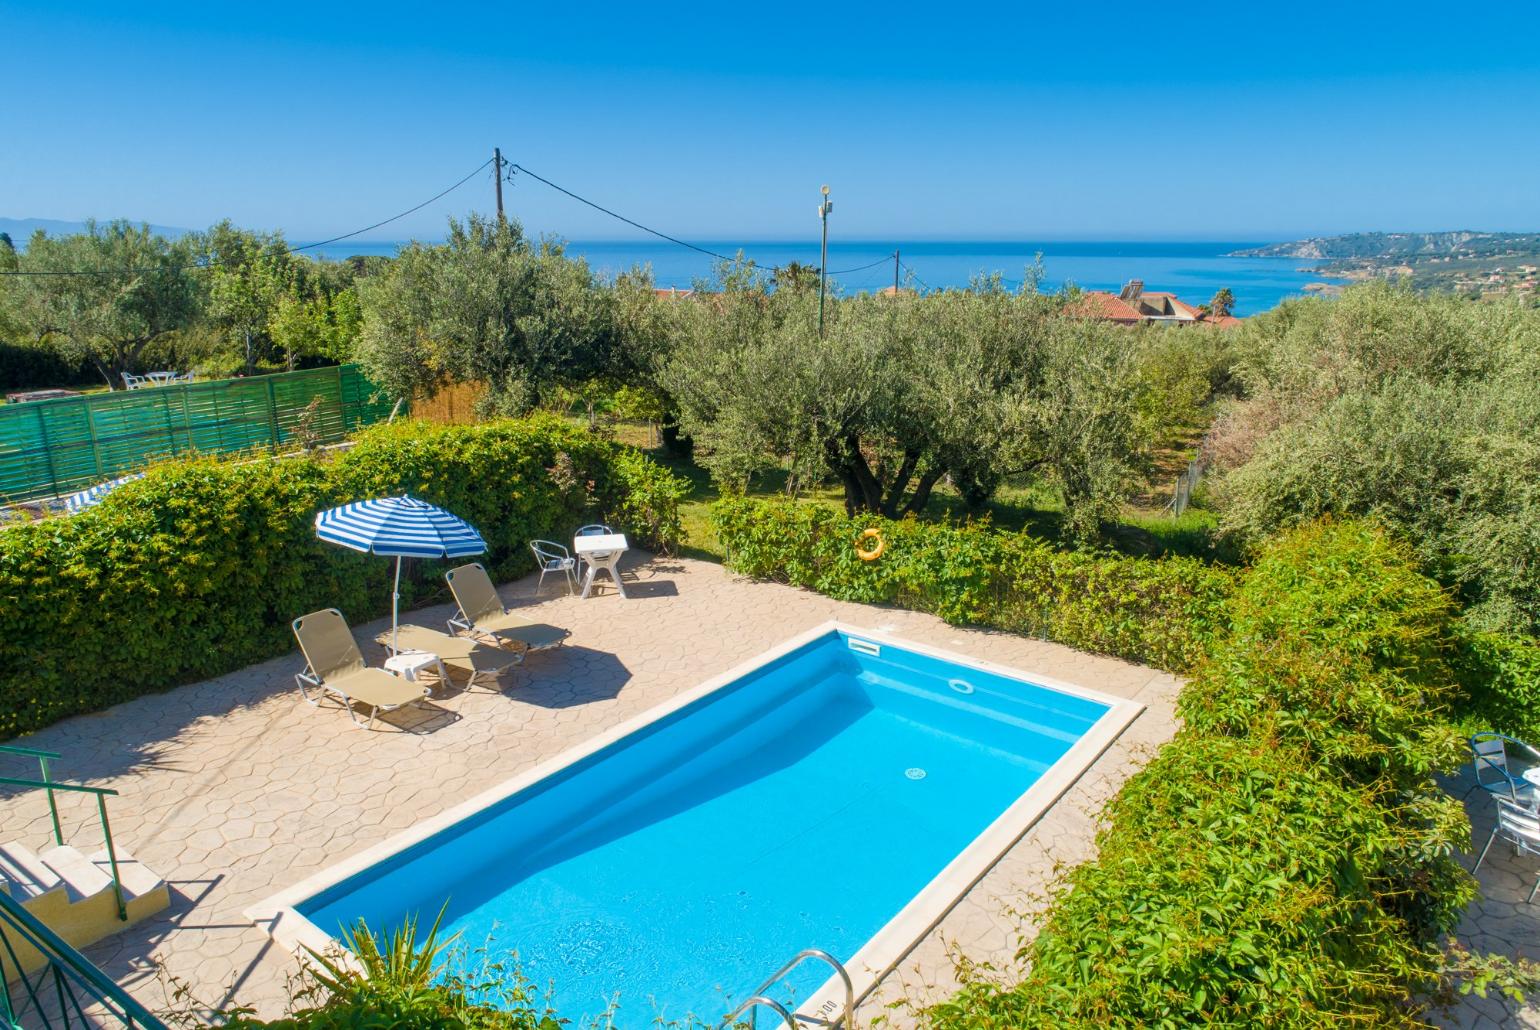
(1500, 921)
(233, 789)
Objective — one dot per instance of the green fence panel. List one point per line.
(59, 446)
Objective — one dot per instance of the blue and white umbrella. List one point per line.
(400, 527)
(90, 498)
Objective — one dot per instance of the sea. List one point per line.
(1194, 271)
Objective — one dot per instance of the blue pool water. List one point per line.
(802, 805)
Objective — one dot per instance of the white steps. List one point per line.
(71, 893)
(81, 877)
(24, 874)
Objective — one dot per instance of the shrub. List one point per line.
(1287, 859)
(36, 366)
(1419, 410)
(198, 568)
(399, 981)
(1145, 610)
(1501, 677)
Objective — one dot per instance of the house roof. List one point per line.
(1097, 304)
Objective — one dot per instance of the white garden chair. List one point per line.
(133, 382)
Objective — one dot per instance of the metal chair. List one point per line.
(1519, 825)
(1493, 760)
(553, 557)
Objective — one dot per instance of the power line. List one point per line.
(393, 218)
(880, 261)
(287, 250)
(615, 214)
(917, 279)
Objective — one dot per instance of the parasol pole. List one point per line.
(395, 606)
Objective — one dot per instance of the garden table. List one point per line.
(601, 551)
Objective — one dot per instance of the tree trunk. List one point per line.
(922, 490)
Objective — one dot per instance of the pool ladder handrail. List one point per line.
(760, 998)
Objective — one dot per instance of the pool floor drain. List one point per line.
(915, 773)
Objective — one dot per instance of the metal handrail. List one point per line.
(754, 1003)
(69, 969)
(102, 794)
(802, 956)
(43, 758)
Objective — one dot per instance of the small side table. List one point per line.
(409, 665)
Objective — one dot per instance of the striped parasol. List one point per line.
(399, 527)
(79, 502)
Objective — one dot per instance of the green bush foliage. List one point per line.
(1158, 612)
(198, 568)
(1420, 410)
(1288, 859)
(35, 367)
(1501, 676)
(404, 981)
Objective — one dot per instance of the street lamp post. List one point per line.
(824, 207)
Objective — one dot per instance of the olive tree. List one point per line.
(106, 294)
(488, 306)
(899, 393)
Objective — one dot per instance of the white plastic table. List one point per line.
(408, 664)
(611, 546)
(160, 378)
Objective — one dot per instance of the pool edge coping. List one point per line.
(281, 920)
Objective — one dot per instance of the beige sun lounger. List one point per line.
(483, 615)
(336, 666)
(476, 660)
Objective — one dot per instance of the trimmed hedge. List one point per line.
(198, 569)
(1155, 611)
(1288, 858)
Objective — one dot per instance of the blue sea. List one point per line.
(1194, 271)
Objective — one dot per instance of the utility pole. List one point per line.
(895, 271)
(497, 160)
(824, 207)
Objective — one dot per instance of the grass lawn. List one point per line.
(1145, 529)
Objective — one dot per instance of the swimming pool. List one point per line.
(841, 791)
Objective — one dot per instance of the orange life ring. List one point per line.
(874, 552)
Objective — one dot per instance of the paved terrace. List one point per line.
(233, 788)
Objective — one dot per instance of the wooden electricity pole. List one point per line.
(497, 175)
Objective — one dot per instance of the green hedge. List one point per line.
(198, 569)
(1155, 611)
(1288, 859)
(1501, 676)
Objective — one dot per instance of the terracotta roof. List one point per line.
(672, 293)
(1097, 304)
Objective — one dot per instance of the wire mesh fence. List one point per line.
(58, 446)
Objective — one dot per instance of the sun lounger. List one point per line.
(483, 615)
(477, 661)
(335, 666)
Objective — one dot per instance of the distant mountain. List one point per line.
(1406, 247)
(1471, 262)
(21, 229)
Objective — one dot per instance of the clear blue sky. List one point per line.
(948, 121)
